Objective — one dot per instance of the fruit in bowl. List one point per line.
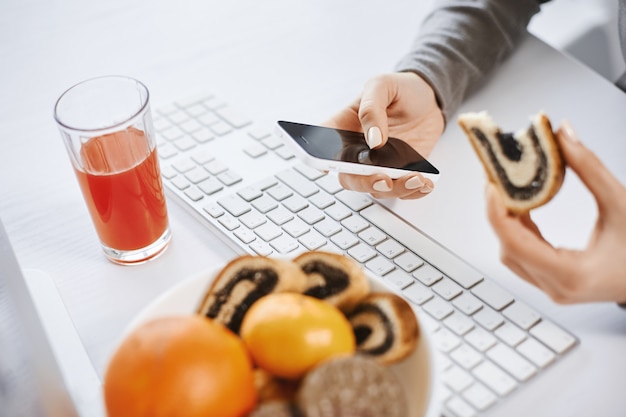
(180, 366)
(288, 334)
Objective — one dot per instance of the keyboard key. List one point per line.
(494, 378)
(372, 236)
(344, 240)
(417, 293)
(330, 184)
(272, 142)
(511, 361)
(295, 203)
(229, 222)
(327, 227)
(280, 215)
(466, 356)
(553, 336)
(510, 334)
(194, 194)
(197, 175)
(229, 178)
(522, 315)
(296, 227)
(480, 339)
(310, 173)
(312, 240)
(297, 182)
(447, 288)
(279, 192)
(488, 318)
(536, 352)
(264, 204)
(427, 275)
(492, 294)
(380, 266)
(355, 224)
(210, 186)
(355, 200)
(252, 219)
(408, 261)
(311, 215)
(480, 396)
(215, 167)
(322, 200)
(397, 277)
(467, 303)
(213, 210)
(390, 248)
(458, 323)
(362, 253)
(255, 150)
(438, 308)
(261, 248)
(268, 231)
(284, 244)
(234, 204)
(249, 193)
(460, 408)
(427, 249)
(338, 211)
(245, 235)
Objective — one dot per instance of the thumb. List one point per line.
(376, 97)
(589, 168)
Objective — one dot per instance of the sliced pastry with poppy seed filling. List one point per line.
(333, 278)
(242, 282)
(385, 327)
(527, 167)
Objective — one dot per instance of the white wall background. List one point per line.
(586, 30)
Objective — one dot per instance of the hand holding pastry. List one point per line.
(594, 273)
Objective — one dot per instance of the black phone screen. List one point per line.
(347, 146)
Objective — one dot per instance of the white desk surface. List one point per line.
(294, 60)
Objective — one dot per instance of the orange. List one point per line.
(181, 366)
(288, 333)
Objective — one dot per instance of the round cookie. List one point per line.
(243, 281)
(333, 278)
(351, 386)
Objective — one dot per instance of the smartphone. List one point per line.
(329, 149)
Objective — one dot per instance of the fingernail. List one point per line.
(381, 186)
(569, 131)
(413, 183)
(426, 189)
(374, 137)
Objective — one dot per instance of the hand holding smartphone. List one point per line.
(329, 149)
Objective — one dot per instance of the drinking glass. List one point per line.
(107, 128)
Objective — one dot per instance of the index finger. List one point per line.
(373, 111)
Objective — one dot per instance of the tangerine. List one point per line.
(180, 366)
(287, 334)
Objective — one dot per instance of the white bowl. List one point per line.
(418, 373)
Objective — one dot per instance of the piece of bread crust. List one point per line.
(535, 167)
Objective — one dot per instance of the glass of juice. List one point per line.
(107, 128)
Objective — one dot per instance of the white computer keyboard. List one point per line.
(239, 180)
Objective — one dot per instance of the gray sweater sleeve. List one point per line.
(462, 40)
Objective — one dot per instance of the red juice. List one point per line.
(121, 184)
